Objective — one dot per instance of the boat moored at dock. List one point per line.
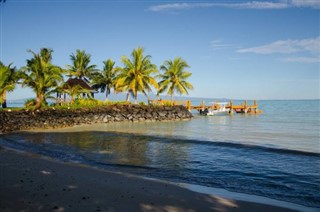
(219, 108)
(213, 108)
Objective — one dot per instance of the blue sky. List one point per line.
(235, 49)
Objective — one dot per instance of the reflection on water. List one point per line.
(242, 168)
(242, 153)
(114, 148)
(272, 129)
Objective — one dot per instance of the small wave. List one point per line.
(177, 140)
(235, 144)
(232, 144)
(118, 165)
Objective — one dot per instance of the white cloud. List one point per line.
(311, 45)
(219, 44)
(164, 7)
(259, 5)
(305, 3)
(302, 59)
(246, 5)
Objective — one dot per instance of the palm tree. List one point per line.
(8, 79)
(41, 76)
(174, 77)
(105, 80)
(80, 67)
(136, 75)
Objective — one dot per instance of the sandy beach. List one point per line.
(33, 183)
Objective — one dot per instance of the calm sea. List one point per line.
(275, 155)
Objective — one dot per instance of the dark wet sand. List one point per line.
(31, 183)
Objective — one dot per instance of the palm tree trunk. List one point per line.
(72, 99)
(172, 98)
(39, 101)
(128, 96)
(107, 92)
(4, 99)
(135, 99)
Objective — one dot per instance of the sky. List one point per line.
(236, 49)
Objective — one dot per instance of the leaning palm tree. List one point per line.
(8, 79)
(136, 75)
(105, 80)
(41, 76)
(80, 67)
(174, 77)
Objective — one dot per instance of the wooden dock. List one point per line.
(242, 108)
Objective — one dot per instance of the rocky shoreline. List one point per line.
(53, 118)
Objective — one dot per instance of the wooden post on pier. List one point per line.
(189, 105)
(231, 107)
(243, 108)
(216, 105)
(246, 106)
(202, 105)
(255, 104)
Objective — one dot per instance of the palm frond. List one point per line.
(174, 76)
(40, 75)
(136, 75)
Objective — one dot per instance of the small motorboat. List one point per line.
(217, 109)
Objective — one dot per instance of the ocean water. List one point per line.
(275, 154)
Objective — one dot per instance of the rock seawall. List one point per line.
(51, 118)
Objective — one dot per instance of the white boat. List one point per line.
(219, 109)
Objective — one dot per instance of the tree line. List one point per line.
(137, 74)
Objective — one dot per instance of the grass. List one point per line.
(76, 104)
(12, 108)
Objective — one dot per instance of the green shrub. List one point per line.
(120, 103)
(167, 103)
(87, 103)
(31, 103)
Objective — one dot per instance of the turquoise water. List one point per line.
(293, 125)
(275, 155)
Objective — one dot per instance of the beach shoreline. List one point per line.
(31, 182)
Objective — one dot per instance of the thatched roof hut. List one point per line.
(71, 82)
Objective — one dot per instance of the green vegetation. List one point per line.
(8, 79)
(31, 103)
(106, 79)
(41, 76)
(86, 103)
(174, 77)
(138, 74)
(74, 91)
(89, 103)
(80, 67)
